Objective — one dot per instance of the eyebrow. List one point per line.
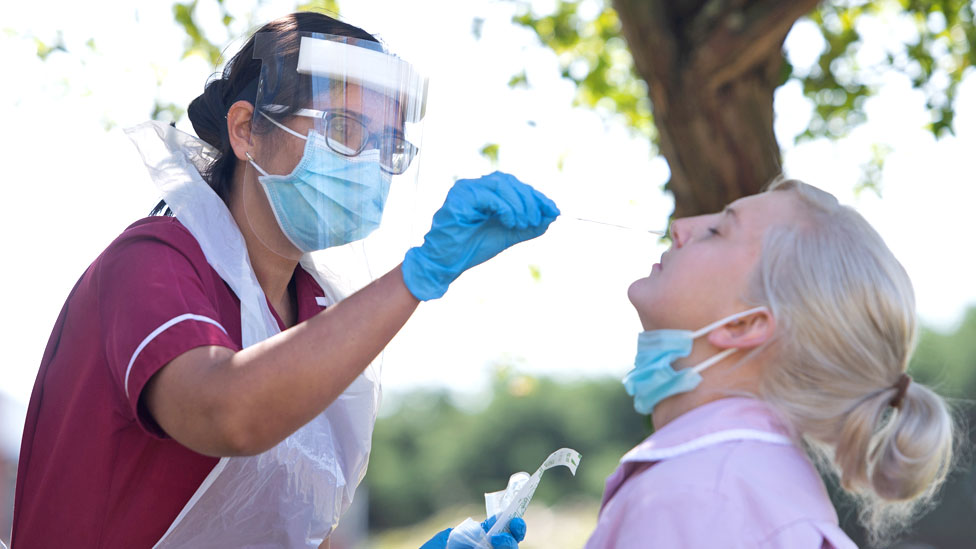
(313, 113)
(367, 121)
(731, 213)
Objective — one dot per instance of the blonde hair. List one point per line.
(845, 314)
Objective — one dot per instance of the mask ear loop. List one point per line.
(255, 164)
(722, 355)
(282, 127)
(711, 361)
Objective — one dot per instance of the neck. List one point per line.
(727, 377)
(675, 406)
(274, 273)
(272, 270)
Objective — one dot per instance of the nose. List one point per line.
(687, 228)
(677, 231)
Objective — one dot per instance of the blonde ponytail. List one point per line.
(910, 458)
(845, 312)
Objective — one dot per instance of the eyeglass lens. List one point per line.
(349, 137)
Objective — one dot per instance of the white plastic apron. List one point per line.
(293, 494)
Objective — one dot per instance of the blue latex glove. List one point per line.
(498, 541)
(479, 218)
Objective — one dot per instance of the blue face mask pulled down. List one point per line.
(654, 379)
(328, 199)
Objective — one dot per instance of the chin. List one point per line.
(639, 291)
(645, 295)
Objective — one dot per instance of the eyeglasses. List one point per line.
(349, 136)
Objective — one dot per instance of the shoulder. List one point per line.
(768, 486)
(740, 465)
(152, 243)
(768, 475)
(670, 514)
(162, 229)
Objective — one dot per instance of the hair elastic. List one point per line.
(902, 387)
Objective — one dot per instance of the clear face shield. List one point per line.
(335, 142)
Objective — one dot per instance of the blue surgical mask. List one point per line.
(328, 199)
(654, 379)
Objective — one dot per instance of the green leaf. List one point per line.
(490, 151)
(520, 80)
(328, 7)
(197, 43)
(873, 169)
(44, 50)
(167, 112)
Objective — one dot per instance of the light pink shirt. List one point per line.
(722, 475)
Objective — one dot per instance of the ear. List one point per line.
(239, 128)
(744, 333)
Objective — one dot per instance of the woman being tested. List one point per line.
(809, 324)
(203, 386)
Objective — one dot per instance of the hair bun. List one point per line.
(207, 113)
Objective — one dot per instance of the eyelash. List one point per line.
(713, 231)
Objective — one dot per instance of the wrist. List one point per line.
(423, 278)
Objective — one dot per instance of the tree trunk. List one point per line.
(711, 67)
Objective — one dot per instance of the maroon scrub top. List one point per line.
(95, 469)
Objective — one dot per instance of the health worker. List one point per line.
(205, 384)
(777, 334)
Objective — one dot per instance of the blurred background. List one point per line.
(625, 112)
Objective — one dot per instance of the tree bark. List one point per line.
(711, 67)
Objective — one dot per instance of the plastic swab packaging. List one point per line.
(510, 502)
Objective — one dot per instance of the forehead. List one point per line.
(763, 210)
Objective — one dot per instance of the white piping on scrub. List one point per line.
(166, 325)
(711, 439)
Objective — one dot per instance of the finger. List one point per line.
(548, 207)
(513, 213)
(503, 541)
(489, 522)
(476, 200)
(520, 197)
(439, 541)
(521, 235)
(517, 527)
(532, 212)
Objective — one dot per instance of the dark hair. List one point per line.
(239, 80)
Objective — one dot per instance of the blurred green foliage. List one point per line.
(197, 42)
(946, 361)
(938, 48)
(935, 57)
(44, 49)
(490, 151)
(941, 46)
(433, 452)
(594, 55)
(330, 7)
